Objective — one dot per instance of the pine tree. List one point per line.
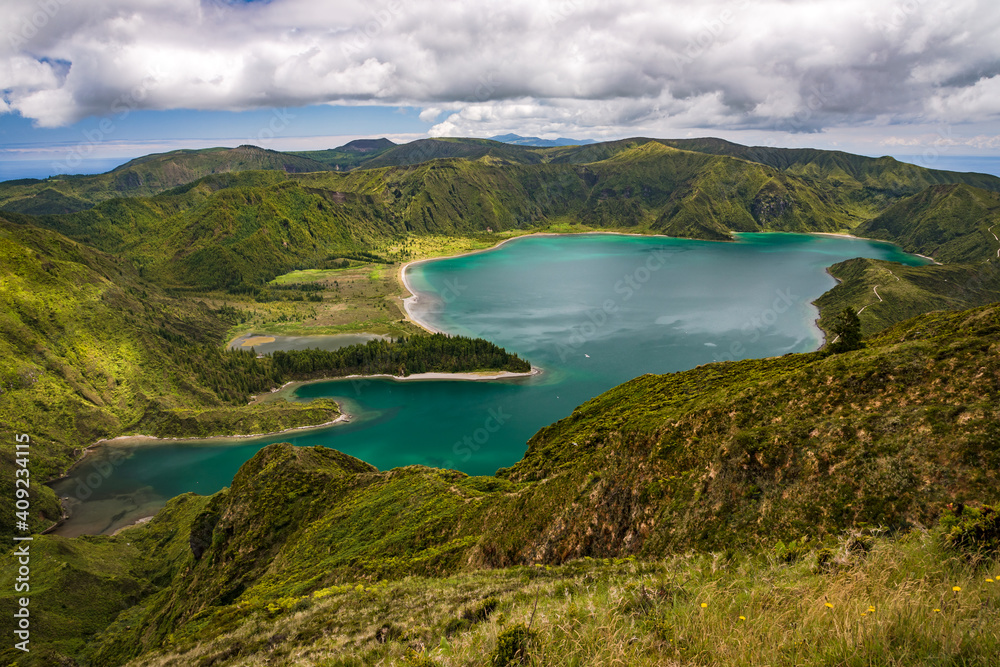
(847, 332)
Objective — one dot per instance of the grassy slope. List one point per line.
(874, 182)
(905, 291)
(144, 176)
(757, 611)
(82, 583)
(949, 222)
(226, 230)
(739, 454)
(884, 175)
(87, 353)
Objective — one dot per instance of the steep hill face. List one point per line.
(724, 455)
(884, 174)
(869, 183)
(951, 223)
(230, 229)
(647, 187)
(423, 150)
(737, 453)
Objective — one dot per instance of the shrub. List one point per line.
(482, 611)
(973, 532)
(825, 559)
(513, 646)
(791, 552)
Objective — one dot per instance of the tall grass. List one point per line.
(877, 601)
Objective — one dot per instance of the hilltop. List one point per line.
(350, 155)
(875, 181)
(143, 176)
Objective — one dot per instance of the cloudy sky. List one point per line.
(125, 77)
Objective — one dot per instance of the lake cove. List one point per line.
(592, 311)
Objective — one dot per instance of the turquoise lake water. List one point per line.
(591, 310)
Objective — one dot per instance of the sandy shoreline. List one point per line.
(141, 436)
(466, 377)
(502, 375)
(415, 296)
(865, 238)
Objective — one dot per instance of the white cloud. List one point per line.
(538, 66)
(980, 101)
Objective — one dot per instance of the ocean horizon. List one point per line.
(14, 169)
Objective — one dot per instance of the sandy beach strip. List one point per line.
(141, 436)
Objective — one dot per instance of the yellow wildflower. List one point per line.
(956, 588)
(743, 618)
(936, 610)
(704, 604)
(829, 605)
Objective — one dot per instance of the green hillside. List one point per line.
(350, 155)
(778, 456)
(884, 174)
(423, 150)
(951, 223)
(247, 228)
(144, 176)
(852, 180)
(229, 229)
(887, 292)
(91, 350)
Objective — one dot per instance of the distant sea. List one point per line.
(13, 169)
(976, 163)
